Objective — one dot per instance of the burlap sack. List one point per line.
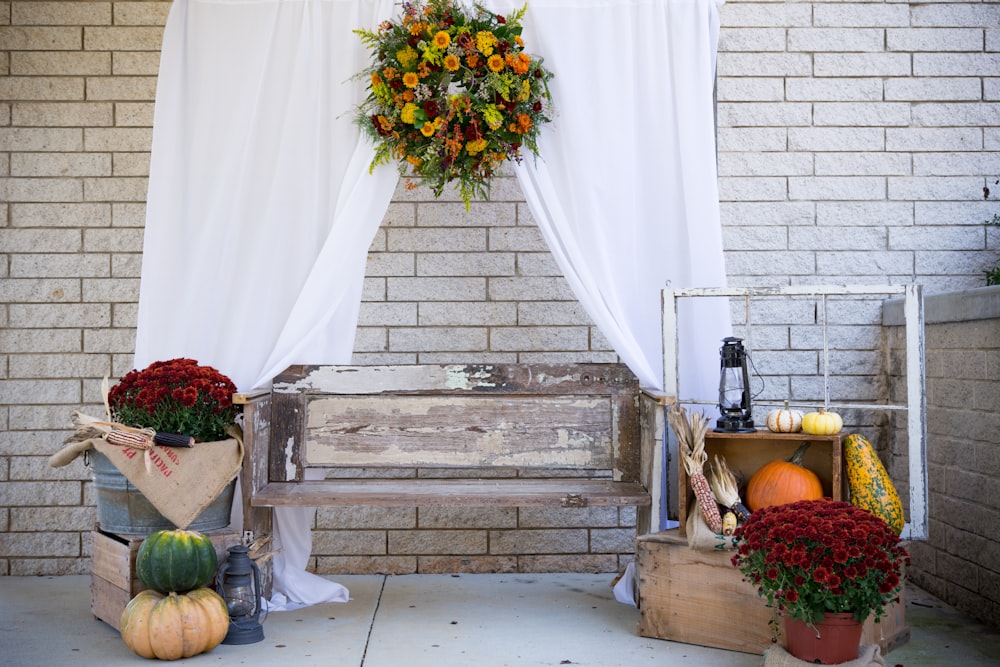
(869, 655)
(179, 482)
(700, 536)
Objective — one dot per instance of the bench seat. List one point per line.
(468, 492)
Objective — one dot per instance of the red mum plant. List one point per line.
(176, 396)
(816, 556)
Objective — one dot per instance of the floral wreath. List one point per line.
(452, 95)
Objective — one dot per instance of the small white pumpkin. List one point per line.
(784, 420)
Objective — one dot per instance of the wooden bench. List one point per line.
(575, 435)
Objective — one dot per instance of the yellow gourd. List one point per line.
(869, 483)
(822, 423)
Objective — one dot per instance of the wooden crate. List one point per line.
(699, 598)
(746, 452)
(113, 581)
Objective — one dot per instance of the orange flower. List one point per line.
(452, 63)
(523, 123)
(473, 61)
(427, 129)
(495, 63)
(408, 95)
(410, 79)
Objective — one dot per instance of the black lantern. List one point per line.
(734, 389)
(238, 582)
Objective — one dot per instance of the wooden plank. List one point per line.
(461, 431)
(427, 492)
(532, 379)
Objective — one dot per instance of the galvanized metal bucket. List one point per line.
(123, 510)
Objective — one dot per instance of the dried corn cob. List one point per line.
(694, 462)
(726, 489)
(728, 523)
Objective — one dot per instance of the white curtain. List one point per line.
(261, 209)
(625, 191)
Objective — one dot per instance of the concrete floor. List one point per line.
(444, 621)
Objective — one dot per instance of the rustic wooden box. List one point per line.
(746, 452)
(698, 597)
(113, 581)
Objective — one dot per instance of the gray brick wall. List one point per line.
(855, 139)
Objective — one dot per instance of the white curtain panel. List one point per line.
(625, 191)
(260, 208)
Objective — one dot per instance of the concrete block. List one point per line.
(60, 164)
(765, 164)
(123, 188)
(557, 517)
(61, 214)
(861, 15)
(467, 564)
(468, 314)
(360, 517)
(540, 541)
(518, 239)
(956, 64)
(134, 114)
(40, 190)
(933, 188)
(59, 63)
(863, 164)
(108, 341)
(948, 15)
(134, 139)
(751, 89)
(122, 38)
(539, 338)
(537, 264)
(39, 290)
(752, 39)
(460, 264)
(141, 13)
(40, 38)
(59, 316)
(764, 64)
(130, 164)
(36, 494)
(530, 289)
(764, 114)
(21, 240)
(764, 14)
(753, 188)
(15, 392)
(61, 13)
(612, 540)
(17, 341)
(366, 564)
(349, 542)
(433, 542)
(431, 339)
(782, 214)
(752, 139)
(836, 188)
(957, 113)
(112, 240)
(919, 139)
(846, 89)
(862, 64)
(854, 114)
(37, 140)
(822, 139)
(844, 39)
(122, 88)
(467, 517)
(929, 89)
(569, 563)
(934, 39)
(432, 239)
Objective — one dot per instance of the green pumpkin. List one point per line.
(869, 483)
(176, 561)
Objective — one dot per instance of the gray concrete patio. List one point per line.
(444, 621)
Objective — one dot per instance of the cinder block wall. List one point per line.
(855, 140)
(958, 560)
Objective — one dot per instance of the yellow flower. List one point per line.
(406, 115)
(407, 56)
(477, 146)
(495, 63)
(410, 79)
(427, 129)
(414, 160)
(442, 40)
(451, 63)
(492, 116)
(485, 41)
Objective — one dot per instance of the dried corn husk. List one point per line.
(726, 488)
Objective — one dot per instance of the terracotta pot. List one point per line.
(836, 639)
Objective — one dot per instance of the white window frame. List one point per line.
(916, 383)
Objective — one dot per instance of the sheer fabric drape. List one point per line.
(260, 208)
(625, 191)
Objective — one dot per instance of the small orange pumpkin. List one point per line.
(175, 625)
(783, 481)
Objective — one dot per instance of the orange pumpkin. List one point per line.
(783, 481)
(174, 626)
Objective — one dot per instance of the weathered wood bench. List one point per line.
(574, 435)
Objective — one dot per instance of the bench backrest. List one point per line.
(571, 416)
